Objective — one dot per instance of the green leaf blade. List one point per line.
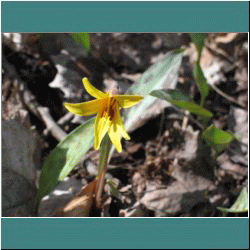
(65, 156)
(240, 205)
(217, 139)
(83, 39)
(161, 74)
(182, 101)
(201, 82)
(198, 39)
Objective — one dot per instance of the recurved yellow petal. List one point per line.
(117, 131)
(85, 108)
(115, 137)
(92, 90)
(120, 127)
(127, 101)
(123, 132)
(102, 125)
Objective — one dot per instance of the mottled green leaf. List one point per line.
(217, 139)
(181, 100)
(65, 156)
(163, 74)
(240, 205)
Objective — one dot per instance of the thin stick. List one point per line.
(185, 120)
(229, 98)
(162, 123)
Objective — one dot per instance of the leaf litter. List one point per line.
(166, 169)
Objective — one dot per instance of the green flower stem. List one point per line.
(102, 168)
(105, 151)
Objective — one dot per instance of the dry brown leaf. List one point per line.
(81, 205)
(178, 197)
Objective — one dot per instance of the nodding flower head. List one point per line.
(107, 107)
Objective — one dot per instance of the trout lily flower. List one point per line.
(107, 107)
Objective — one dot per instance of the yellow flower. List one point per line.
(107, 107)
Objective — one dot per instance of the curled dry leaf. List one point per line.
(81, 205)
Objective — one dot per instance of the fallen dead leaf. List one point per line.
(179, 196)
(81, 205)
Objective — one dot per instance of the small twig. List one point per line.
(76, 62)
(65, 119)
(189, 117)
(229, 98)
(161, 124)
(51, 125)
(185, 120)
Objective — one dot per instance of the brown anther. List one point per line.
(103, 113)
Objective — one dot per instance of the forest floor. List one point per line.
(166, 169)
